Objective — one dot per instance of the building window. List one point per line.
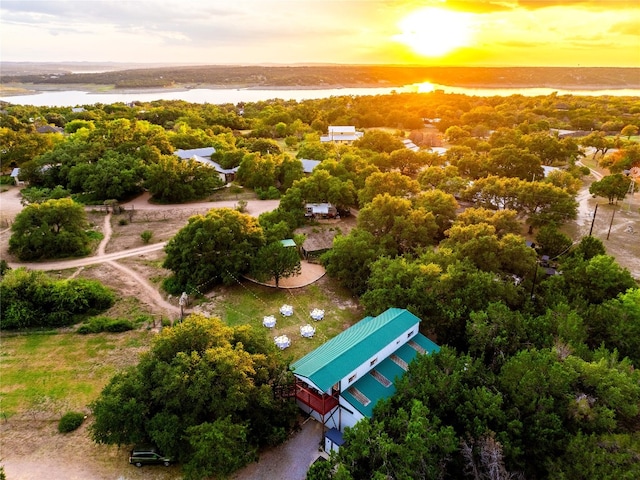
(352, 378)
(373, 362)
(410, 334)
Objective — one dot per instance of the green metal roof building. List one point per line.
(341, 381)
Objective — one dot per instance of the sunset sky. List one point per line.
(427, 32)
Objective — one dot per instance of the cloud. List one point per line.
(630, 27)
(278, 31)
(587, 4)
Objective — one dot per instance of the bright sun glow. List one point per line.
(434, 32)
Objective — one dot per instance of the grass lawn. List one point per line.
(249, 303)
(56, 372)
(51, 373)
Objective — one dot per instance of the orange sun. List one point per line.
(434, 32)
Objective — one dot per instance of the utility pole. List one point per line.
(594, 219)
(611, 223)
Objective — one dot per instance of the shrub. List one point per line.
(241, 206)
(146, 236)
(123, 222)
(118, 325)
(105, 324)
(272, 193)
(4, 267)
(70, 421)
(31, 299)
(172, 285)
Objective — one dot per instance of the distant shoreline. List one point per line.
(18, 89)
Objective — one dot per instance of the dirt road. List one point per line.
(147, 293)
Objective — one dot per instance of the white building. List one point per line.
(341, 134)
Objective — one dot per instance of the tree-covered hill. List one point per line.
(344, 75)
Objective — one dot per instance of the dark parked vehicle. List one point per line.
(147, 456)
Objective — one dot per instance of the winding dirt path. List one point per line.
(151, 294)
(147, 292)
(107, 232)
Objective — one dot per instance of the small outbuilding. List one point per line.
(320, 210)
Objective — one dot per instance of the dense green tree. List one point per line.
(556, 395)
(496, 334)
(204, 394)
(456, 135)
(411, 444)
(257, 171)
(321, 186)
(214, 248)
(379, 141)
(545, 204)
(598, 141)
(185, 137)
(629, 131)
(552, 242)
(589, 247)
(480, 244)
(549, 148)
(52, 229)
(503, 221)
(405, 161)
(565, 180)
(397, 226)
(263, 146)
(393, 183)
(312, 149)
(606, 457)
(510, 161)
(39, 195)
(140, 139)
(19, 147)
(541, 202)
(612, 187)
(442, 205)
(446, 178)
(219, 449)
(275, 261)
(74, 125)
(174, 180)
(350, 259)
(591, 281)
(114, 176)
(616, 324)
(289, 170)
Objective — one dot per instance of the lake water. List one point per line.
(72, 98)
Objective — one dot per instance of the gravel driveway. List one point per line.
(289, 461)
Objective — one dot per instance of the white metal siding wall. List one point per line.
(381, 355)
(350, 416)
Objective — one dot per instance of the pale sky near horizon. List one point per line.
(430, 32)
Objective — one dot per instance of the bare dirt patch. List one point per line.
(617, 226)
